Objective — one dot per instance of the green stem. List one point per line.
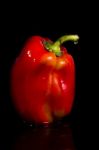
(55, 47)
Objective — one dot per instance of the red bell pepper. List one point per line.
(43, 80)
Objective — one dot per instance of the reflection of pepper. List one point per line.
(60, 138)
(43, 79)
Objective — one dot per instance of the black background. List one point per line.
(16, 27)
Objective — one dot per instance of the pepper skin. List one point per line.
(43, 80)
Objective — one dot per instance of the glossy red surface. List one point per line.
(42, 84)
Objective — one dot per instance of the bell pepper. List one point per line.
(43, 79)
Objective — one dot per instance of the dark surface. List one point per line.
(14, 134)
(59, 136)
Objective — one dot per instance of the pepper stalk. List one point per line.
(55, 47)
